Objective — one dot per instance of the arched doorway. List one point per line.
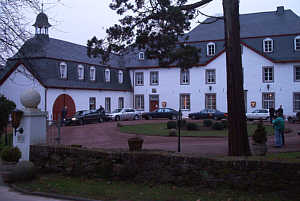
(61, 101)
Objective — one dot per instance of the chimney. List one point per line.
(280, 10)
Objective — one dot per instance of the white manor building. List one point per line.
(64, 75)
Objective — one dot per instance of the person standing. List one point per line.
(280, 111)
(272, 114)
(278, 124)
(64, 113)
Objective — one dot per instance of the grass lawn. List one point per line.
(160, 129)
(124, 191)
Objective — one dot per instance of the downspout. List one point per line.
(133, 81)
(46, 90)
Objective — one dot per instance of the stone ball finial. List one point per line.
(30, 98)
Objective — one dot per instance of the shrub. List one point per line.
(225, 123)
(260, 134)
(24, 171)
(218, 126)
(11, 154)
(207, 122)
(182, 123)
(191, 126)
(171, 124)
(172, 132)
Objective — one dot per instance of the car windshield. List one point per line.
(81, 112)
(116, 111)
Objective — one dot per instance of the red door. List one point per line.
(154, 102)
(60, 102)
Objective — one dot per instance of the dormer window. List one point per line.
(80, 70)
(268, 45)
(141, 56)
(211, 49)
(107, 75)
(120, 76)
(297, 43)
(63, 70)
(92, 73)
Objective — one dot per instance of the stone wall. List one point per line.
(166, 167)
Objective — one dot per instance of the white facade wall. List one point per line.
(81, 98)
(21, 80)
(169, 88)
(18, 82)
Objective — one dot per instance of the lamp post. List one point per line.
(179, 125)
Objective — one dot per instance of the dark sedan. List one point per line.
(208, 114)
(161, 113)
(86, 116)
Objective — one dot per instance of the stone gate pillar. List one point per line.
(33, 123)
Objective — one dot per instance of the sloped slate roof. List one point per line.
(254, 28)
(251, 25)
(47, 72)
(59, 49)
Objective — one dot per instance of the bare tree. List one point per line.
(13, 25)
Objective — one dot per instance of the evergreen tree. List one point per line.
(158, 27)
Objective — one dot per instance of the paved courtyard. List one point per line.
(106, 135)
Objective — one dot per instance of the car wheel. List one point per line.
(100, 120)
(81, 122)
(149, 117)
(117, 118)
(193, 117)
(215, 118)
(136, 117)
(173, 117)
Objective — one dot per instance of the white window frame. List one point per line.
(211, 49)
(92, 73)
(120, 76)
(139, 102)
(63, 70)
(154, 78)
(80, 72)
(184, 76)
(141, 56)
(120, 102)
(107, 75)
(185, 101)
(139, 78)
(295, 73)
(268, 100)
(268, 45)
(268, 76)
(297, 43)
(107, 104)
(211, 101)
(296, 102)
(210, 76)
(92, 103)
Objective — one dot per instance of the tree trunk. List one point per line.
(238, 144)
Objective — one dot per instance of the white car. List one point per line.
(124, 114)
(258, 114)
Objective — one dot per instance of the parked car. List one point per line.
(208, 114)
(124, 114)
(161, 113)
(295, 118)
(258, 114)
(86, 116)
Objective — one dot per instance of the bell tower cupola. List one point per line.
(41, 25)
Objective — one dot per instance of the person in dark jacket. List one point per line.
(64, 113)
(272, 114)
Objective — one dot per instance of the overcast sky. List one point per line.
(78, 20)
